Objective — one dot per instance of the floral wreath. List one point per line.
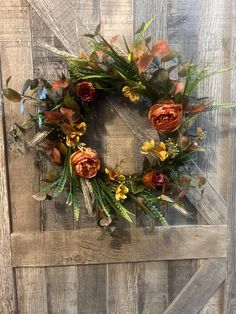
(153, 75)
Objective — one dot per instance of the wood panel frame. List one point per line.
(210, 241)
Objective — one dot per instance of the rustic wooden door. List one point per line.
(58, 266)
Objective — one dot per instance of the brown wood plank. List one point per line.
(32, 291)
(230, 284)
(73, 247)
(199, 289)
(7, 284)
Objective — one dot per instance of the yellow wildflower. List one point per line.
(161, 151)
(114, 174)
(121, 192)
(148, 147)
(127, 92)
(73, 137)
(81, 128)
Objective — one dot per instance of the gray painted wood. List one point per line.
(7, 284)
(199, 289)
(230, 285)
(214, 42)
(16, 56)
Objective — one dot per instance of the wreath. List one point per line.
(155, 78)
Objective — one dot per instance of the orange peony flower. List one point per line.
(85, 91)
(86, 163)
(153, 179)
(166, 117)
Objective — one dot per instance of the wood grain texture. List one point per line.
(230, 285)
(152, 287)
(74, 247)
(214, 42)
(62, 20)
(199, 289)
(16, 56)
(7, 284)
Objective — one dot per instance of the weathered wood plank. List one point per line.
(230, 284)
(16, 55)
(199, 289)
(7, 291)
(210, 205)
(62, 20)
(152, 287)
(32, 291)
(214, 39)
(73, 247)
(122, 283)
(181, 31)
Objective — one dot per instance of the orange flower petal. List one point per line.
(68, 113)
(60, 84)
(160, 48)
(53, 116)
(144, 62)
(56, 156)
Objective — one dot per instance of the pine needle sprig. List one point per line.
(152, 205)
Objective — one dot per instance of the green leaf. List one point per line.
(144, 27)
(126, 44)
(98, 29)
(70, 102)
(159, 78)
(26, 85)
(177, 206)
(8, 80)
(11, 94)
(63, 176)
(88, 35)
(137, 186)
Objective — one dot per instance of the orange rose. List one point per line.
(86, 163)
(153, 179)
(166, 117)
